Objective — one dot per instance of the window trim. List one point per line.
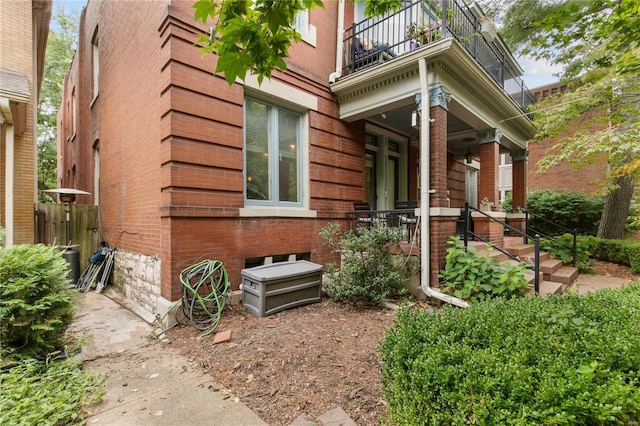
(302, 24)
(302, 162)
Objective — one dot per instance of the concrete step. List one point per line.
(549, 266)
(565, 275)
(512, 241)
(550, 287)
(522, 250)
(547, 288)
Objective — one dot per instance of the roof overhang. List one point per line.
(475, 95)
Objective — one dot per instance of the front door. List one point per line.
(386, 171)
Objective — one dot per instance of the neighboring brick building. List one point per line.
(183, 165)
(587, 179)
(24, 27)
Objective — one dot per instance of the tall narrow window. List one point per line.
(74, 112)
(272, 155)
(95, 64)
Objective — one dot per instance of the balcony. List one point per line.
(423, 23)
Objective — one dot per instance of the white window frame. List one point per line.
(302, 24)
(274, 157)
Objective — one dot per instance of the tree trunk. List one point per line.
(616, 209)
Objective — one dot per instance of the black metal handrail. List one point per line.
(376, 40)
(536, 239)
(573, 232)
(405, 219)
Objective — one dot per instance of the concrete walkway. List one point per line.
(148, 382)
(586, 283)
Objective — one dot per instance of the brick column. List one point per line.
(442, 224)
(438, 101)
(488, 229)
(489, 141)
(519, 178)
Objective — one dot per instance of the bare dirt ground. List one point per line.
(305, 361)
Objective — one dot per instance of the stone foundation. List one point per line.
(137, 277)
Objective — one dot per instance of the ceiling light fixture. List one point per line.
(468, 156)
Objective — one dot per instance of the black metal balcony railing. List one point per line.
(405, 219)
(374, 41)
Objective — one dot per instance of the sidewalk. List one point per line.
(148, 382)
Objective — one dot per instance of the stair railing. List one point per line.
(573, 232)
(536, 241)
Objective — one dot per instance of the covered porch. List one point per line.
(441, 102)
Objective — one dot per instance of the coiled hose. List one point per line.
(205, 285)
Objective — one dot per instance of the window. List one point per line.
(96, 64)
(74, 112)
(302, 25)
(273, 172)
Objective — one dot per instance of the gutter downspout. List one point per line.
(9, 159)
(339, 45)
(425, 124)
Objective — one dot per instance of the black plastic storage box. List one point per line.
(268, 289)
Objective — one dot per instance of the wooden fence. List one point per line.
(84, 224)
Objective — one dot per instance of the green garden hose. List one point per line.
(205, 285)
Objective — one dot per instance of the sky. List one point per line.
(535, 73)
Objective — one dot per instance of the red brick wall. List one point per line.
(171, 142)
(488, 175)
(456, 175)
(563, 175)
(519, 176)
(438, 159)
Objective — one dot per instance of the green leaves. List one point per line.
(36, 393)
(254, 36)
(471, 277)
(367, 268)
(250, 36)
(529, 361)
(36, 305)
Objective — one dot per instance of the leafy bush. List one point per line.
(562, 360)
(367, 270)
(36, 305)
(573, 210)
(622, 252)
(562, 249)
(507, 203)
(33, 392)
(471, 277)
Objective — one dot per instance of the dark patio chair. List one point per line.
(407, 220)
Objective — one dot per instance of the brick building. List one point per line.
(588, 179)
(24, 27)
(183, 165)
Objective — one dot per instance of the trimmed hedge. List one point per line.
(573, 210)
(570, 360)
(36, 305)
(622, 252)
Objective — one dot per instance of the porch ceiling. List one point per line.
(477, 101)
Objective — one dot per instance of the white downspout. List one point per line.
(425, 124)
(339, 45)
(9, 165)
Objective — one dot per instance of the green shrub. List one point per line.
(33, 392)
(507, 203)
(562, 249)
(562, 360)
(622, 252)
(36, 306)
(367, 268)
(471, 277)
(573, 210)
